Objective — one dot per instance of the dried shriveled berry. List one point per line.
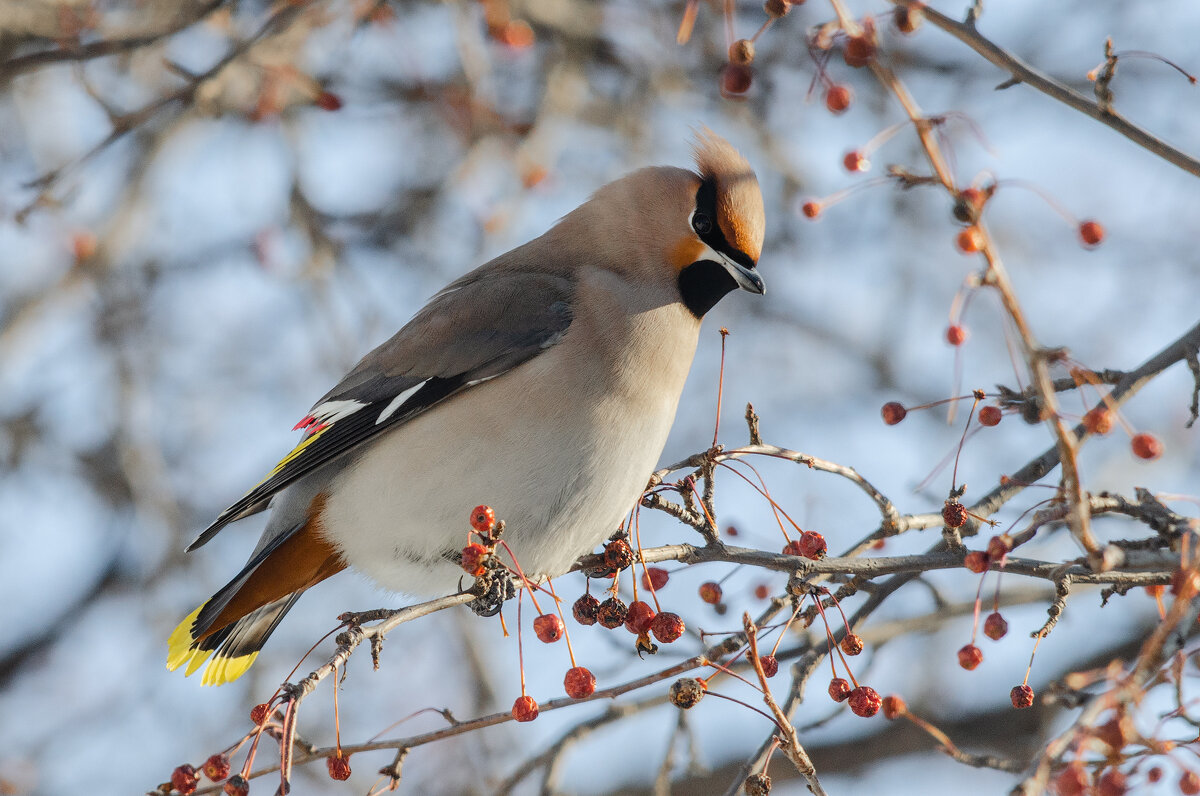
(976, 561)
(686, 692)
(1098, 420)
(852, 644)
(259, 713)
(865, 701)
(776, 8)
(811, 208)
(585, 609)
(1091, 233)
(990, 416)
(525, 708)
(549, 628)
(858, 51)
(792, 548)
(968, 204)
(770, 665)
(184, 779)
(1154, 774)
(995, 626)
(736, 79)
(667, 627)
(617, 554)
(639, 617)
(893, 412)
(579, 682)
(710, 592)
(970, 657)
(483, 519)
(236, 786)
(655, 578)
(1146, 446)
(216, 768)
(838, 98)
(812, 545)
(757, 785)
(472, 559)
(741, 52)
(999, 546)
(954, 513)
(1021, 696)
(612, 612)
(893, 707)
(338, 765)
(839, 689)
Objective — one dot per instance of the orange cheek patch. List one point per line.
(686, 252)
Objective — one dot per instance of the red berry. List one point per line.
(792, 548)
(893, 412)
(328, 101)
(852, 644)
(741, 52)
(517, 35)
(761, 591)
(525, 709)
(258, 713)
(549, 628)
(1112, 783)
(839, 689)
(1021, 696)
(1098, 420)
(216, 768)
(339, 766)
(855, 161)
(612, 612)
(865, 701)
(1189, 783)
(838, 98)
(893, 707)
(969, 241)
(812, 545)
(969, 657)
(968, 204)
(579, 682)
(736, 79)
(1146, 446)
(618, 554)
(639, 617)
(1091, 233)
(976, 561)
(184, 779)
(710, 592)
(1154, 774)
(995, 626)
(1071, 781)
(483, 519)
(954, 513)
(811, 209)
(667, 627)
(686, 692)
(472, 559)
(990, 416)
(956, 335)
(998, 547)
(585, 609)
(770, 665)
(654, 578)
(236, 786)
(757, 785)
(858, 51)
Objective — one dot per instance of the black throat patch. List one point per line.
(702, 284)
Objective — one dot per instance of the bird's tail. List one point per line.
(232, 648)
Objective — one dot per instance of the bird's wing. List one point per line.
(478, 328)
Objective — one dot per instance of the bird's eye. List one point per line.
(701, 223)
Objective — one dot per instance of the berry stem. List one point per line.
(566, 632)
(720, 387)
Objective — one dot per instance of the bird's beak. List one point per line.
(747, 277)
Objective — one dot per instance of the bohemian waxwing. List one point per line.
(542, 384)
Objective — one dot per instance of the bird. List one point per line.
(543, 384)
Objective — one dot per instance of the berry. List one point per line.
(579, 682)
(858, 51)
(710, 592)
(1189, 783)
(483, 519)
(812, 545)
(472, 559)
(956, 335)
(968, 204)
(761, 591)
(770, 665)
(1091, 233)
(995, 626)
(612, 612)
(216, 768)
(811, 208)
(865, 701)
(639, 617)
(1154, 774)
(1098, 420)
(741, 52)
(839, 689)
(1021, 696)
(654, 578)
(893, 412)
(328, 101)
(339, 766)
(969, 657)
(1112, 783)
(999, 546)
(990, 416)
(236, 786)
(617, 554)
(667, 627)
(549, 628)
(184, 779)
(258, 713)
(736, 79)
(852, 644)
(776, 8)
(792, 548)
(906, 20)
(525, 709)
(969, 241)
(1071, 781)
(757, 785)
(893, 707)
(838, 98)
(976, 561)
(585, 609)
(1146, 446)
(686, 692)
(954, 513)
(855, 161)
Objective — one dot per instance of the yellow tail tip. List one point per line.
(222, 670)
(179, 645)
